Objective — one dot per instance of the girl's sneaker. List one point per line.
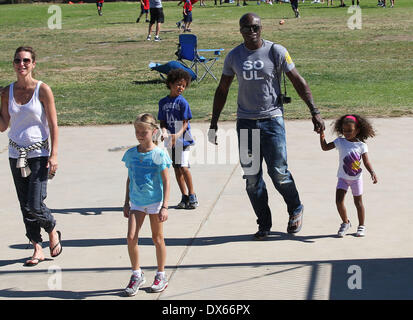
(159, 284)
(343, 229)
(361, 231)
(134, 284)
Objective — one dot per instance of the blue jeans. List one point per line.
(265, 139)
(31, 192)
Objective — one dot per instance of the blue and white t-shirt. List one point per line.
(144, 171)
(350, 154)
(174, 111)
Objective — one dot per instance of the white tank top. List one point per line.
(28, 124)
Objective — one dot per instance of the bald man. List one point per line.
(259, 65)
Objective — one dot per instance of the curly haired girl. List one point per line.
(352, 130)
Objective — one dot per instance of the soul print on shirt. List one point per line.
(251, 68)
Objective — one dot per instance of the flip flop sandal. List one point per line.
(61, 248)
(32, 264)
(292, 228)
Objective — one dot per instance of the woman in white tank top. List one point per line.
(27, 105)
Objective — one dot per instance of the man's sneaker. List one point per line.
(343, 229)
(148, 38)
(184, 202)
(261, 235)
(157, 38)
(159, 284)
(361, 231)
(134, 284)
(193, 201)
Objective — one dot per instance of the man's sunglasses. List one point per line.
(25, 61)
(253, 28)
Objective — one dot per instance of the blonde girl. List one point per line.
(147, 193)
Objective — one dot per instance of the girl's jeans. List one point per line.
(31, 192)
(265, 139)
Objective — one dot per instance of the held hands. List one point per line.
(318, 123)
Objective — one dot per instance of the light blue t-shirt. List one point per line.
(144, 170)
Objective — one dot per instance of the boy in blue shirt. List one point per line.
(174, 115)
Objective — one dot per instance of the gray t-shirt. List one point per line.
(155, 3)
(258, 83)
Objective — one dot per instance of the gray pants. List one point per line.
(31, 192)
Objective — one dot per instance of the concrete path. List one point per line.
(211, 253)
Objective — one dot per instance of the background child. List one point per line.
(353, 130)
(144, 10)
(147, 192)
(187, 13)
(181, 24)
(99, 5)
(157, 16)
(174, 115)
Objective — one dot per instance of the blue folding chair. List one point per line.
(166, 67)
(188, 50)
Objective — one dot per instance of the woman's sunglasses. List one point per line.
(253, 28)
(25, 60)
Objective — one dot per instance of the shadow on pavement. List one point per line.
(378, 279)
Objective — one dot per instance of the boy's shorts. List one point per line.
(143, 10)
(156, 15)
(153, 208)
(179, 156)
(188, 17)
(355, 185)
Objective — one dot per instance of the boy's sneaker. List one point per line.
(193, 201)
(343, 229)
(134, 284)
(361, 231)
(148, 38)
(159, 284)
(184, 202)
(157, 38)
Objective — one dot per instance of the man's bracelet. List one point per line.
(314, 111)
(163, 207)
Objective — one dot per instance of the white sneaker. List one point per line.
(343, 229)
(361, 231)
(148, 38)
(159, 284)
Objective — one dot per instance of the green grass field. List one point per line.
(98, 66)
